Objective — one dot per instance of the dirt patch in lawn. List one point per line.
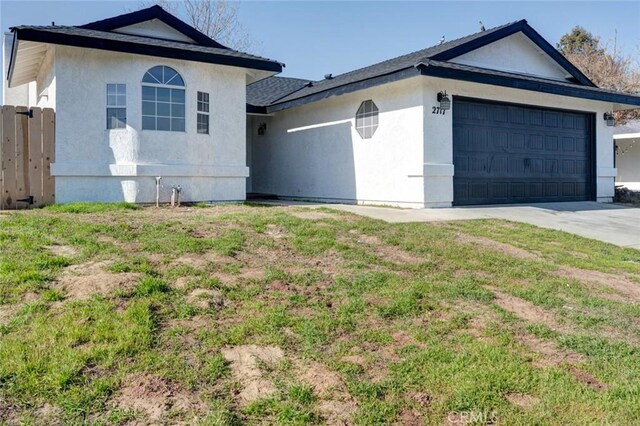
(335, 403)
(83, 281)
(201, 260)
(384, 251)
(276, 232)
(205, 298)
(522, 400)
(62, 250)
(526, 310)
(313, 215)
(7, 312)
(596, 280)
(155, 396)
(497, 246)
(245, 365)
(410, 417)
(550, 354)
(128, 246)
(586, 378)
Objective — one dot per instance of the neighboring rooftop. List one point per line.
(630, 127)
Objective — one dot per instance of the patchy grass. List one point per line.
(241, 314)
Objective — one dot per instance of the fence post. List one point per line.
(22, 156)
(48, 155)
(35, 157)
(9, 156)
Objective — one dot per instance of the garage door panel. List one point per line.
(535, 155)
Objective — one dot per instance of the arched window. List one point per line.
(163, 100)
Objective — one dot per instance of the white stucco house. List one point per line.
(627, 148)
(499, 116)
(138, 96)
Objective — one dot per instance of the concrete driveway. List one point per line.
(610, 223)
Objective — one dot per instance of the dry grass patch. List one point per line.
(335, 403)
(549, 355)
(156, 398)
(497, 246)
(85, 280)
(596, 280)
(245, 364)
(526, 311)
(382, 250)
(522, 400)
(312, 215)
(205, 298)
(586, 378)
(62, 250)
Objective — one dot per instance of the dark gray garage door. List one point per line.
(505, 153)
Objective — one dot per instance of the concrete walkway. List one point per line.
(610, 223)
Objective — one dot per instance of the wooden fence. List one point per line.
(26, 154)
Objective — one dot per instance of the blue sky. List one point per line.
(314, 38)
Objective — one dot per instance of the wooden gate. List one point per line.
(26, 154)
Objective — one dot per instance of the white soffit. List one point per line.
(26, 62)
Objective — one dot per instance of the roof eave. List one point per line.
(524, 84)
(12, 58)
(346, 88)
(30, 34)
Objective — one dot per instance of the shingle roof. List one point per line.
(151, 13)
(269, 90)
(389, 66)
(413, 64)
(77, 33)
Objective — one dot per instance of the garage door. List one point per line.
(505, 153)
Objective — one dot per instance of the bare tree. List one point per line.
(605, 66)
(216, 18)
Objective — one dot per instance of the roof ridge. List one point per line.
(281, 77)
(150, 13)
(145, 9)
(449, 42)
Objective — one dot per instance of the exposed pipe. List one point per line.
(175, 195)
(158, 179)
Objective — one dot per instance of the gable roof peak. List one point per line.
(148, 14)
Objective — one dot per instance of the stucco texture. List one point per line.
(314, 151)
(96, 164)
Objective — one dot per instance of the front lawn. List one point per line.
(244, 314)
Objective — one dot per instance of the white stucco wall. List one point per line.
(315, 152)
(42, 92)
(628, 163)
(515, 53)
(96, 164)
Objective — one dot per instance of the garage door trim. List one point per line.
(590, 127)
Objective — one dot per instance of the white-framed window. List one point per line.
(116, 106)
(203, 113)
(367, 119)
(163, 100)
